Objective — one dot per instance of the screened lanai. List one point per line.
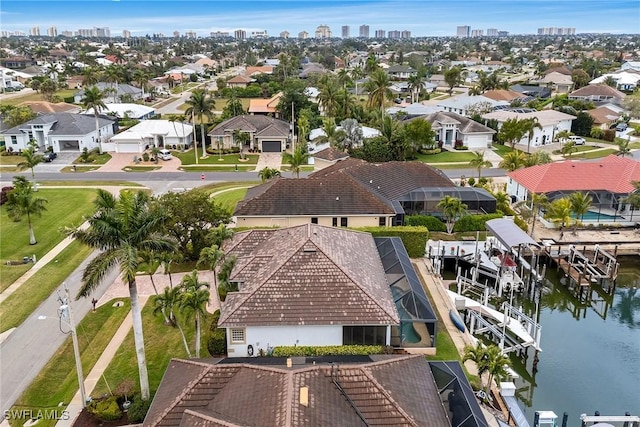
(423, 201)
(417, 318)
(606, 207)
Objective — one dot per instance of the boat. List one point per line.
(456, 320)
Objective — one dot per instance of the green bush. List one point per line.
(222, 292)
(473, 222)
(472, 182)
(431, 222)
(145, 157)
(520, 223)
(330, 350)
(217, 344)
(105, 410)
(214, 320)
(138, 409)
(413, 238)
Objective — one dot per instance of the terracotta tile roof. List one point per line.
(390, 391)
(264, 69)
(44, 107)
(331, 154)
(502, 95)
(240, 79)
(611, 173)
(603, 115)
(332, 195)
(311, 275)
(257, 105)
(598, 90)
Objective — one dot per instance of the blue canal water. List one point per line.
(591, 352)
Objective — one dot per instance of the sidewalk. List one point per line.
(90, 381)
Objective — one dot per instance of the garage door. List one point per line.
(128, 148)
(66, 145)
(271, 146)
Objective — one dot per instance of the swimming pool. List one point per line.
(594, 216)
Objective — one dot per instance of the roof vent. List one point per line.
(338, 198)
(370, 181)
(304, 396)
(308, 248)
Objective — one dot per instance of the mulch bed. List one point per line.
(85, 419)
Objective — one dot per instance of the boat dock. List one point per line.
(508, 394)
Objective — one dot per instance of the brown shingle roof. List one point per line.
(252, 124)
(44, 107)
(309, 274)
(598, 90)
(394, 390)
(330, 154)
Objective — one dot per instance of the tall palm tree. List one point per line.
(529, 127)
(538, 201)
(347, 103)
(478, 356)
(211, 257)
(328, 98)
(568, 149)
(559, 212)
(94, 100)
(31, 159)
(378, 88)
(194, 300)
(167, 302)
(267, 173)
(201, 105)
(452, 209)
(90, 76)
(142, 78)
(496, 363)
(113, 75)
(121, 228)
(416, 84)
(356, 74)
(479, 162)
(22, 202)
(151, 262)
(580, 203)
(296, 160)
(623, 148)
(512, 160)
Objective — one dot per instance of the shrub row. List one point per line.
(231, 150)
(474, 222)
(431, 222)
(105, 410)
(330, 350)
(138, 409)
(413, 238)
(217, 343)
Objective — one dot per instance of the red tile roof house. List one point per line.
(608, 181)
(402, 391)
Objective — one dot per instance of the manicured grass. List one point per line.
(162, 343)
(141, 168)
(20, 304)
(79, 169)
(593, 154)
(446, 157)
(64, 93)
(187, 158)
(96, 159)
(11, 160)
(229, 199)
(501, 149)
(580, 148)
(220, 168)
(310, 168)
(65, 207)
(88, 184)
(218, 186)
(57, 382)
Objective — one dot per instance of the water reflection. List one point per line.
(627, 307)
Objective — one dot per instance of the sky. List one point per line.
(421, 17)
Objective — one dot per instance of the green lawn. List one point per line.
(20, 304)
(11, 160)
(218, 186)
(65, 207)
(446, 157)
(220, 168)
(96, 159)
(57, 382)
(162, 343)
(501, 149)
(141, 168)
(580, 148)
(187, 158)
(89, 184)
(229, 199)
(593, 154)
(79, 169)
(64, 93)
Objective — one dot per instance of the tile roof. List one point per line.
(241, 79)
(64, 124)
(545, 117)
(332, 195)
(390, 390)
(604, 115)
(598, 90)
(44, 107)
(502, 95)
(330, 154)
(257, 105)
(252, 124)
(611, 173)
(308, 275)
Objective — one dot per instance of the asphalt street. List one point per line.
(25, 352)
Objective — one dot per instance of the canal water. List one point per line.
(591, 352)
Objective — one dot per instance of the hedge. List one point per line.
(217, 343)
(105, 410)
(413, 238)
(330, 350)
(138, 409)
(474, 222)
(431, 222)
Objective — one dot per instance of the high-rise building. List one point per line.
(52, 32)
(463, 31)
(345, 31)
(126, 34)
(503, 33)
(219, 34)
(364, 31)
(102, 32)
(303, 35)
(285, 34)
(190, 34)
(67, 33)
(240, 34)
(477, 33)
(35, 31)
(492, 32)
(380, 34)
(405, 34)
(259, 34)
(176, 34)
(85, 32)
(394, 34)
(556, 31)
(323, 32)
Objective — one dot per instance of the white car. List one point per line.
(165, 154)
(577, 140)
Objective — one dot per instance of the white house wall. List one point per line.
(261, 337)
(517, 190)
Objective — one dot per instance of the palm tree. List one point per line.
(150, 263)
(142, 78)
(195, 297)
(113, 74)
(537, 158)
(496, 362)
(332, 134)
(623, 148)
(512, 131)
(121, 228)
(167, 302)
(296, 160)
(559, 212)
(503, 202)
(347, 103)
(201, 106)
(267, 173)
(328, 97)
(568, 149)
(378, 88)
(634, 197)
(580, 203)
(479, 162)
(416, 84)
(210, 258)
(538, 202)
(21, 201)
(94, 100)
(90, 76)
(351, 135)
(31, 159)
(529, 127)
(452, 209)
(356, 74)
(512, 160)
(476, 355)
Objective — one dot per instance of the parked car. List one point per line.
(621, 127)
(577, 140)
(165, 154)
(49, 156)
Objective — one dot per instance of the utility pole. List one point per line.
(66, 312)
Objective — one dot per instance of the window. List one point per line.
(382, 221)
(334, 222)
(237, 336)
(364, 335)
(14, 139)
(314, 220)
(343, 221)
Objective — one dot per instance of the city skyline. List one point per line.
(418, 17)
